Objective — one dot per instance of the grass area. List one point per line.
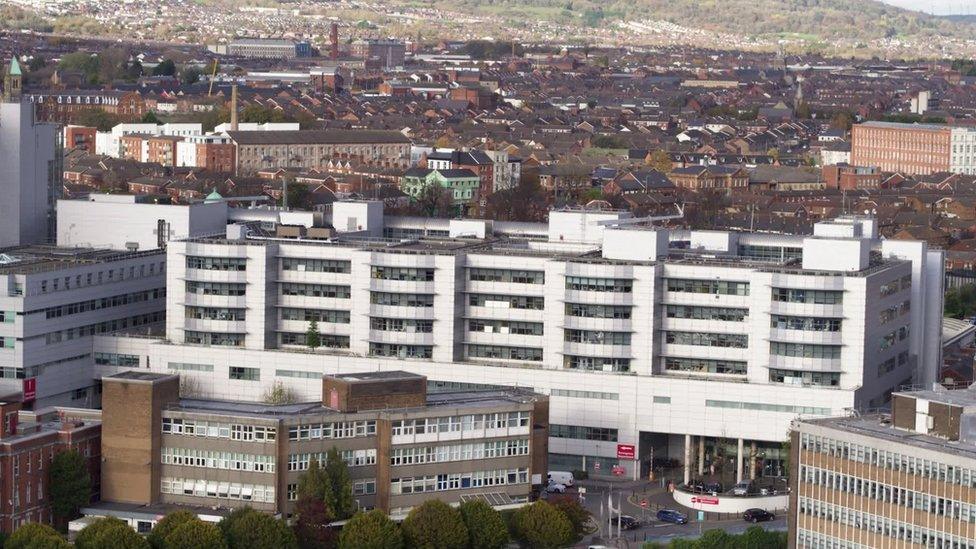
(598, 151)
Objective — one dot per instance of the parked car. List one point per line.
(556, 488)
(714, 488)
(629, 523)
(672, 516)
(757, 515)
(562, 477)
(743, 488)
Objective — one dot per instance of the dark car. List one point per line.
(757, 515)
(714, 488)
(672, 516)
(629, 523)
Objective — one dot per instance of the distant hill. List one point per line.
(961, 18)
(862, 20)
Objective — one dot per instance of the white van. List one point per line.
(561, 477)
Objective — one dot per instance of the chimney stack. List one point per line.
(233, 108)
(334, 40)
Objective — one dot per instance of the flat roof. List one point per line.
(40, 258)
(306, 137)
(134, 375)
(378, 376)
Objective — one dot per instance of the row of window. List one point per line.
(876, 524)
(718, 287)
(457, 424)
(597, 337)
(401, 325)
(759, 406)
(706, 339)
(361, 487)
(459, 452)
(458, 481)
(585, 310)
(893, 461)
(505, 327)
(210, 429)
(315, 290)
(190, 367)
(221, 490)
(804, 350)
(890, 313)
(894, 336)
(105, 327)
(506, 275)
(816, 297)
(411, 274)
(332, 430)
(328, 341)
(500, 352)
(329, 316)
(8, 316)
(727, 314)
(596, 363)
(232, 461)
(580, 432)
(353, 458)
(216, 263)
(573, 393)
(890, 494)
(302, 264)
(216, 313)
(116, 359)
(216, 288)
(94, 304)
(704, 365)
(506, 301)
(892, 363)
(805, 323)
(798, 377)
(396, 350)
(590, 284)
(213, 338)
(401, 300)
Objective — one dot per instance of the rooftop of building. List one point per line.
(904, 125)
(306, 137)
(41, 258)
(391, 375)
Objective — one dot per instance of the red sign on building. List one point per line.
(704, 500)
(30, 389)
(626, 451)
(618, 470)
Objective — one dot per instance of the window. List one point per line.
(582, 433)
(314, 265)
(403, 273)
(694, 286)
(813, 324)
(797, 377)
(215, 313)
(8, 316)
(783, 408)
(298, 374)
(587, 284)
(189, 367)
(505, 327)
(704, 366)
(401, 300)
(315, 290)
(890, 288)
(394, 350)
(572, 393)
(597, 337)
(506, 301)
(327, 341)
(662, 400)
(216, 263)
(215, 288)
(401, 325)
(504, 353)
(596, 363)
(818, 297)
(707, 313)
(244, 374)
(116, 359)
(705, 339)
(804, 350)
(318, 315)
(598, 311)
(214, 338)
(504, 275)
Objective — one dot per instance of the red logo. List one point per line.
(626, 451)
(30, 389)
(618, 470)
(704, 500)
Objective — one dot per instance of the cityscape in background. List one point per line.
(542, 274)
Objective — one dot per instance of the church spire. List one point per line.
(13, 81)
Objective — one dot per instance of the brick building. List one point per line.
(28, 443)
(907, 148)
(847, 177)
(313, 149)
(161, 149)
(64, 105)
(710, 177)
(399, 442)
(80, 137)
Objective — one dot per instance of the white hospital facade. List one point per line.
(665, 340)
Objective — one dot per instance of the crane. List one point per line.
(213, 76)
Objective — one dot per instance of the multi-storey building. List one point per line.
(313, 149)
(904, 479)
(402, 445)
(267, 48)
(387, 53)
(914, 148)
(642, 336)
(30, 172)
(53, 300)
(28, 443)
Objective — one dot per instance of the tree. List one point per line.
(196, 534)
(255, 530)
(35, 64)
(150, 118)
(33, 535)
(435, 525)
(166, 68)
(660, 161)
(312, 337)
(278, 394)
(542, 526)
(372, 530)
(70, 485)
(486, 528)
(313, 483)
(311, 526)
(97, 118)
(166, 525)
(577, 514)
(90, 536)
(718, 539)
(757, 537)
(338, 493)
(841, 121)
(190, 75)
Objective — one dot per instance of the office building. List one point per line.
(30, 170)
(402, 445)
(28, 443)
(904, 479)
(264, 48)
(53, 300)
(314, 149)
(915, 149)
(386, 53)
(643, 337)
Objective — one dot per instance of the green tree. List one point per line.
(338, 495)
(190, 75)
(256, 530)
(97, 118)
(150, 118)
(69, 484)
(435, 525)
(372, 530)
(757, 537)
(486, 528)
(196, 534)
(313, 483)
(165, 68)
(261, 114)
(718, 539)
(841, 121)
(311, 525)
(542, 526)
(227, 523)
(312, 337)
(32, 535)
(577, 514)
(90, 536)
(166, 525)
(35, 64)
(660, 161)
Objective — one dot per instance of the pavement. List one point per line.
(642, 499)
